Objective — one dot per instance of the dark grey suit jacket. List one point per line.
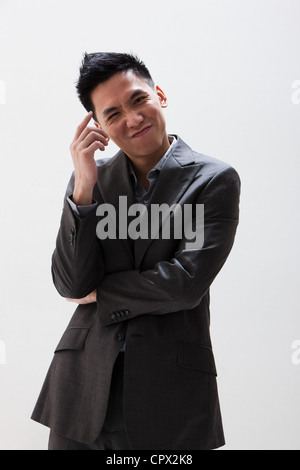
(153, 295)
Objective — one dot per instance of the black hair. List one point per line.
(99, 67)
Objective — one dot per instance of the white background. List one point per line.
(228, 68)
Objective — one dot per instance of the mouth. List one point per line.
(142, 132)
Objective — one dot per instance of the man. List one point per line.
(135, 367)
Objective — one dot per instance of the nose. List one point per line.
(134, 119)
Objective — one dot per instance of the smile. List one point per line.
(142, 132)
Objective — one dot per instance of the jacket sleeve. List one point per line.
(77, 265)
(180, 283)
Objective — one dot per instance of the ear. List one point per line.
(100, 127)
(162, 97)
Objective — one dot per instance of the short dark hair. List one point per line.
(98, 67)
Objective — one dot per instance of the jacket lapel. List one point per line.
(114, 181)
(176, 175)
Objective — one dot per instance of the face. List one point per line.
(131, 113)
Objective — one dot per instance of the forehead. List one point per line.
(117, 90)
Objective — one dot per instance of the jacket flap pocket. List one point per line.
(197, 357)
(73, 339)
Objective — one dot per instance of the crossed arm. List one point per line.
(169, 286)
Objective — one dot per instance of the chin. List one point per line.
(147, 147)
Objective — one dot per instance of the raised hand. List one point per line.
(83, 147)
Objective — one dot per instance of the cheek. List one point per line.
(160, 118)
(114, 131)
(157, 113)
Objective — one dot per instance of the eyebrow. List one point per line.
(108, 111)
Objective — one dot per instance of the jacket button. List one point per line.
(126, 313)
(120, 336)
(113, 316)
(71, 237)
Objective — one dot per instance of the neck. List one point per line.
(142, 165)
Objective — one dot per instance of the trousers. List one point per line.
(113, 434)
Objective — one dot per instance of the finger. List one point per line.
(95, 130)
(88, 135)
(83, 125)
(91, 149)
(91, 137)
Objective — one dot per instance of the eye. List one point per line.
(112, 116)
(140, 99)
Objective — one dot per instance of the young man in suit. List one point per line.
(135, 367)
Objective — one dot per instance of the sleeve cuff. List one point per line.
(81, 211)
